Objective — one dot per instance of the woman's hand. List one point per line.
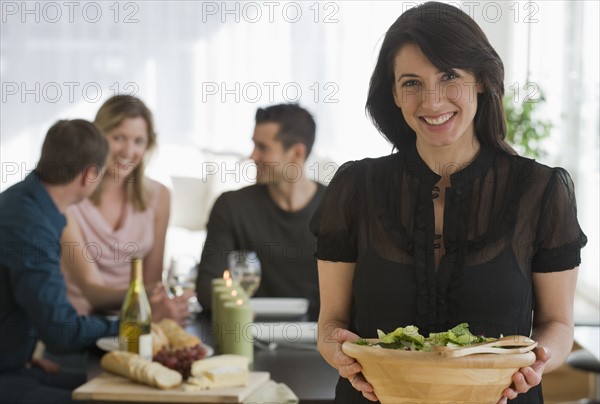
(162, 306)
(348, 367)
(528, 377)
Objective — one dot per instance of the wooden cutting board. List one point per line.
(109, 387)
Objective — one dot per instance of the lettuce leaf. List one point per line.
(402, 338)
(409, 338)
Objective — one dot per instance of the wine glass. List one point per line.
(245, 268)
(181, 277)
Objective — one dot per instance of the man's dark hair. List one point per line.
(70, 147)
(296, 125)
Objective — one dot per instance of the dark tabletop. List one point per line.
(300, 366)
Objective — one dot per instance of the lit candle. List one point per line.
(237, 332)
(219, 286)
(228, 293)
(225, 282)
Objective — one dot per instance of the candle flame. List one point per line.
(234, 293)
(228, 282)
(226, 274)
(239, 302)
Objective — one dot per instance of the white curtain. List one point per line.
(202, 67)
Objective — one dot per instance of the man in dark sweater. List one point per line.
(33, 299)
(272, 216)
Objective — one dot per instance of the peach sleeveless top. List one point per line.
(111, 250)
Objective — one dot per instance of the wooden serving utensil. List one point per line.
(512, 344)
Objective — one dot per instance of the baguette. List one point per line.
(177, 336)
(159, 339)
(140, 370)
(117, 362)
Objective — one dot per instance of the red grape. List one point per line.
(180, 359)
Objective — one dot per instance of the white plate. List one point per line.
(110, 344)
(278, 306)
(286, 332)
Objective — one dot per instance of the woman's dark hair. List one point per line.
(449, 38)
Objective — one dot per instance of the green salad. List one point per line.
(408, 338)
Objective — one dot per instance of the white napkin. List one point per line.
(272, 392)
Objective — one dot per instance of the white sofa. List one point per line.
(195, 179)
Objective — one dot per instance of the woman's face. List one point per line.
(438, 106)
(127, 143)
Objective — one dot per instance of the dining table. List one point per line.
(298, 365)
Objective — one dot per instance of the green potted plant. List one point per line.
(525, 129)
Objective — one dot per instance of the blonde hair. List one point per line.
(112, 114)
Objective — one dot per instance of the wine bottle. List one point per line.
(136, 318)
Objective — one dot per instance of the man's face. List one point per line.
(94, 178)
(89, 179)
(274, 164)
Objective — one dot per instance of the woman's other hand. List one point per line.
(528, 377)
(348, 367)
(163, 306)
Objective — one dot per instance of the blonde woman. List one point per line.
(125, 217)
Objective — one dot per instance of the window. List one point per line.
(204, 68)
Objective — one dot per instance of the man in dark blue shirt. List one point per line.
(33, 300)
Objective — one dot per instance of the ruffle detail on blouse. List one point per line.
(455, 250)
(437, 291)
(426, 282)
(382, 180)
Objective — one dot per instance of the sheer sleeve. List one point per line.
(335, 220)
(560, 238)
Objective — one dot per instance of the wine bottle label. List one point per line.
(146, 346)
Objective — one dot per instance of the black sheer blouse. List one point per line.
(505, 217)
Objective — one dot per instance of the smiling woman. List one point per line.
(439, 106)
(129, 128)
(128, 144)
(125, 217)
(455, 227)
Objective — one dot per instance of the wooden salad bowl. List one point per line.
(400, 376)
